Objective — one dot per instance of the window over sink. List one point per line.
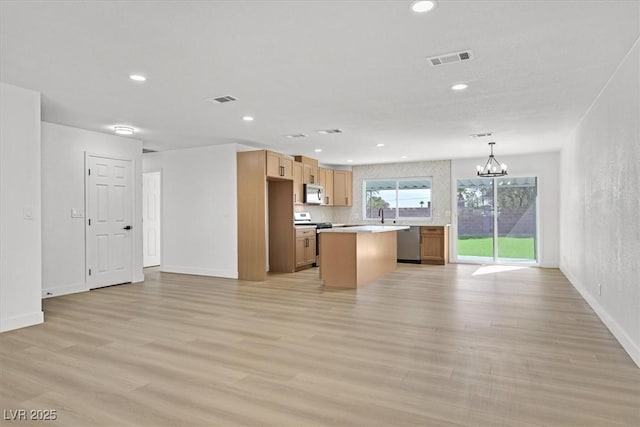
(397, 198)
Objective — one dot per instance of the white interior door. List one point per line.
(109, 244)
(151, 219)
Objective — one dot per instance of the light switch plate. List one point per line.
(77, 213)
(26, 212)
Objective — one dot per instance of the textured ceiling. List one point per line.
(303, 66)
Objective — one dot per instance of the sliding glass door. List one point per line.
(497, 220)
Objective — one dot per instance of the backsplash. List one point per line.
(439, 170)
(318, 213)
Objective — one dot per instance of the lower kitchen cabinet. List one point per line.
(305, 248)
(434, 244)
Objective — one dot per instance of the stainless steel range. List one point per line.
(304, 218)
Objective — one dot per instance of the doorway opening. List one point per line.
(151, 229)
(497, 220)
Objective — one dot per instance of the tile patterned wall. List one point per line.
(439, 170)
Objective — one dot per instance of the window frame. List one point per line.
(397, 189)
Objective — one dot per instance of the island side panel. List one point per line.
(338, 259)
(377, 255)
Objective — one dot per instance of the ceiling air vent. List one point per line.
(223, 99)
(146, 150)
(449, 58)
(296, 135)
(481, 135)
(329, 131)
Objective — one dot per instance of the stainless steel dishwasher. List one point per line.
(409, 245)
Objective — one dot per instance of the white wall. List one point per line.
(20, 216)
(199, 210)
(63, 179)
(440, 194)
(600, 240)
(543, 165)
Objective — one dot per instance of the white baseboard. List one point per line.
(199, 271)
(64, 290)
(632, 348)
(22, 321)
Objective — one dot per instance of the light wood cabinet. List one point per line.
(305, 247)
(310, 174)
(298, 187)
(252, 179)
(326, 180)
(310, 169)
(279, 166)
(342, 188)
(434, 244)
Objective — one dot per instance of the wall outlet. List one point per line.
(599, 289)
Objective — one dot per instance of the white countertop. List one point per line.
(364, 229)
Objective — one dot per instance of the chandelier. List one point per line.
(492, 168)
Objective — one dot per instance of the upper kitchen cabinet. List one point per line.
(309, 169)
(279, 166)
(326, 180)
(342, 188)
(298, 187)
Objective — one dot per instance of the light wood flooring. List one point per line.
(423, 346)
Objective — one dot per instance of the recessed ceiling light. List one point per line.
(247, 118)
(422, 6)
(123, 130)
(403, 157)
(137, 77)
(318, 150)
(349, 161)
(379, 145)
(459, 86)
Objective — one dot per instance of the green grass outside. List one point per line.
(508, 247)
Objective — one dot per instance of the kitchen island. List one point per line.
(354, 256)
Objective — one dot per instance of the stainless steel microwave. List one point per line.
(313, 194)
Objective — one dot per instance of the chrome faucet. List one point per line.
(381, 214)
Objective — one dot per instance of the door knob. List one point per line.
(128, 227)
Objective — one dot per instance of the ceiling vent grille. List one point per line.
(450, 58)
(329, 131)
(481, 135)
(296, 135)
(223, 99)
(146, 150)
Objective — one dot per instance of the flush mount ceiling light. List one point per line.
(247, 118)
(123, 130)
(422, 6)
(380, 145)
(318, 150)
(349, 161)
(492, 167)
(137, 77)
(459, 86)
